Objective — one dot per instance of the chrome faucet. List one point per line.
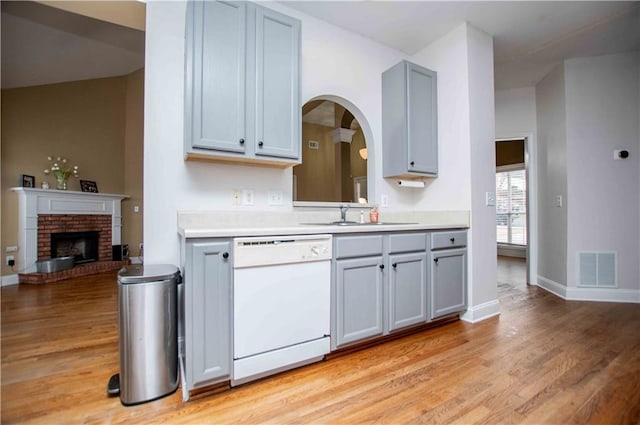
(343, 213)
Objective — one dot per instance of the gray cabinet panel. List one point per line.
(422, 120)
(359, 300)
(207, 312)
(278, 112)
(407, 290)
(357, 246)
(448, 281)
(405, 242)
(218, 119)
(450, 239)
(409, 121)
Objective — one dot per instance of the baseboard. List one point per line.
(481, 312)
(11, 279)
(511, 251)
(589, 294)
(552, 286)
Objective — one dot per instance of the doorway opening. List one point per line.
(512, 212)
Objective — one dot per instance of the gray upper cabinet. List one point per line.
(207, 312)
(277, 106)
(409, 121)
(242, 84)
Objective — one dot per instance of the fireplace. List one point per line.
(82, 246)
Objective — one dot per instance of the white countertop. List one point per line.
(207, 224)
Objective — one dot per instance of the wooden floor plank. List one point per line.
(543, 361)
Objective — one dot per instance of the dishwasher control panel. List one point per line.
(271, 250)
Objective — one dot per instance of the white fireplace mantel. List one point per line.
(34, 202)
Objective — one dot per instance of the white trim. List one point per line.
(551, 286)
(481, 312)
(10, 279)
(589, 294)
(518, 251)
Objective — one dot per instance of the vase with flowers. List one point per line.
(61, 171)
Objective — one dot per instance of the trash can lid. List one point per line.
(142, 273)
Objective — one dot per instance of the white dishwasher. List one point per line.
(281, 303)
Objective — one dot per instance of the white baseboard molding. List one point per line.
(480, 312)
(589, 294)
(11, 279)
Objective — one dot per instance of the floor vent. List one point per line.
(597, 269)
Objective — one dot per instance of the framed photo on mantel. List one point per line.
(88, 186)
(28, 181)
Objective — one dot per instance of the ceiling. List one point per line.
(43, 45)
(530, 38)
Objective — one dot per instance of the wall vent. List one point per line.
(597, 269)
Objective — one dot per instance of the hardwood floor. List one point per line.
(544, 360)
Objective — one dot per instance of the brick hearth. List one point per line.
(76, 271)
(62, 223)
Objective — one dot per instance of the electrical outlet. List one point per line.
(136, 209)
(236, 197)
(490, 199)
(11, 261)
(384, 200)
(275, 197)
(559, 201)
(247, 197)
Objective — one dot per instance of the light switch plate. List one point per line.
(384, 200)
(490, 199)
(247, 197)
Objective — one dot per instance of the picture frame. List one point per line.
(88, 186)
(28, 181)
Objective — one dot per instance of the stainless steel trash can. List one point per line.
(148, 332)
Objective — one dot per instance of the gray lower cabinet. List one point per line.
(407, 290)
(207, 312)
(242, 84)
(379, 285)
(359, 298)
(448, 274)
(409, 121)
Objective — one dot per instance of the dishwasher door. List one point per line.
(280, 305)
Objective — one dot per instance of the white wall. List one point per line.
(552, 177)
(334, 62)
(602, 106)
(464, 62)
(515, 112)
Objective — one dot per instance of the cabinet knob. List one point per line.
(241, 141)
(225, 255)
(381, 266)
(260, 143)
(452, 240)
(435, 260)
(412, 163)
(394, 265)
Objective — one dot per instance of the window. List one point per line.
(511, 205)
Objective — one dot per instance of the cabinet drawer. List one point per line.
(450, 239)
(358, 246)
(406, 242)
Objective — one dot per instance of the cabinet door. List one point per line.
(407, 290)
(359, 299)
(277, 108)
(216, 75)
(422, 120)
(207, 312)
(448, 282)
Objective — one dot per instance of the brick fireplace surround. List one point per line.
(42, 212)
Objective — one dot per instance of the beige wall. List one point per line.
(93, 123)
(316, 176)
